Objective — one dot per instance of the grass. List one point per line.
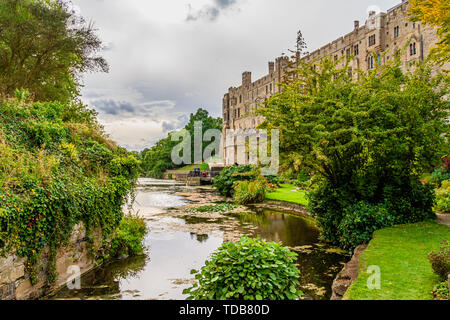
(288, 193)
(190, 167)
(401, 253)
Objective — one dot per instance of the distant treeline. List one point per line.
(155, 161)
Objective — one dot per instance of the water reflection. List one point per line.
(281, 227)
(164, 271)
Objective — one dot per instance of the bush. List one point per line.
(406, 202)
(246, 192)
(443, 197)
(360, 222)
(225, 181)
(250, 269)
(440, 260)
(57, 170)
(128, 237)
(439, 175)
(440, 291)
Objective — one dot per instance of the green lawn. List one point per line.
(190, 167)
(401, 253)
(288, 193)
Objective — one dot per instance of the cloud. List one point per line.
(125, 109)
(210, 12)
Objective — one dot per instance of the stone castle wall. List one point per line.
(15, 283)
(381, 33)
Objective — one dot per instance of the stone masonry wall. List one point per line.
(15, 283)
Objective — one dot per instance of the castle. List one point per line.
(389, 30)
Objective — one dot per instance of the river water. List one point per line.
(179, 241)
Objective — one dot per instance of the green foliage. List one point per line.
(441, 292)
(366, 140)
(440, 260)
(45, 49)
(360, 221)
(128, 237)
(439, 175)
(157, 160)
(246, 192)
(220, 207)
(443, 197)
(250, 269)
(61, 172)
(225, 181)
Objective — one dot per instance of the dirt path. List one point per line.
(443, 219)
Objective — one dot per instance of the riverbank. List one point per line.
(187, 224)
(401, 254)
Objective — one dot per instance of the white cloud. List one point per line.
(157, 56)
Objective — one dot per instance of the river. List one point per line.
(179, 241)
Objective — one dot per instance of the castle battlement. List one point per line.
(385, 31)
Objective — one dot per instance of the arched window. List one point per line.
(412, 49)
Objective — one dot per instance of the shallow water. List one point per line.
(164, 271)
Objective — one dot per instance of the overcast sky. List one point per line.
(170, 57)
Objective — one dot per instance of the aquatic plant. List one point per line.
(250, 269)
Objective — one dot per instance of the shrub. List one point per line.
(51, 181)
(440, 291)
(443, 197)
(246, 192)
(250, 269)
(439, 175)
(225, 180)
(407, 201)
(128, 237)
(440, 260)
(360, 222)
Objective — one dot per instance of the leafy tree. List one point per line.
(436, 13)
(158, 159)
(207, 121)
(44, 48)
(366, 140)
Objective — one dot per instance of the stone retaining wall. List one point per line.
(284, 206)
(15, 283)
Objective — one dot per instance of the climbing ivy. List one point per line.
(57, 169)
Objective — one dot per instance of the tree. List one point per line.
(435, 13)
(367, 140)
(158, 159)
(207, 122)
(45, 47)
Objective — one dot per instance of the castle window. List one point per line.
(412, 49)
(396, 32)
(370, 63)
(240, 98)
(372, 40)
(335, 58)
(239, 113)
(356, 50)
(348, 52)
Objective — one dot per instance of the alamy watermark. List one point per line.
(374, 280)
(74, 280)
(240, 147)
